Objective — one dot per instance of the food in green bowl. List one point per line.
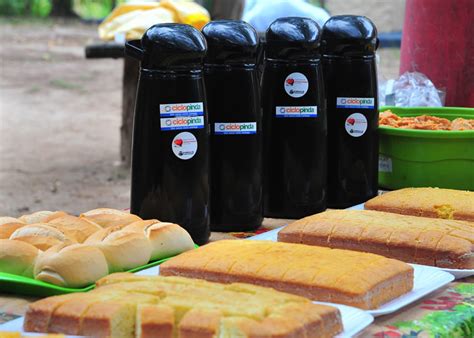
(410, 157)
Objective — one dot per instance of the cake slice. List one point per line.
(38, 314)
(109, 319)
(152, 319)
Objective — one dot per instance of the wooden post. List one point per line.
(129, 90)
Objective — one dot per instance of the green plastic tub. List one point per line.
(427, 158)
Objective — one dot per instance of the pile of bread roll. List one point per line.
(70, 251)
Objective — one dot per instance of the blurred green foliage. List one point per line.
(86, 9)
(39, 8)
(94, 9)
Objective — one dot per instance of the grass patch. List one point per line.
(62, 84)
(33, 89)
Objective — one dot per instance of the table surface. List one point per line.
(445, 312)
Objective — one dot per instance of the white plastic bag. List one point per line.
(415, 90)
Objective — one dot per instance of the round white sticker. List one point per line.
(296, 85)
(184, 145)
(356, 125)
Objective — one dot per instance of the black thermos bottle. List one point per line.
(232, 88)
(348, 46)
(170, 153)
(294, 113)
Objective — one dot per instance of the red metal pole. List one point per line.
(438, 40)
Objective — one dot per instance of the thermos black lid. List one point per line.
(230, 42)
(349, 35)
(292, 38)
(169, 46)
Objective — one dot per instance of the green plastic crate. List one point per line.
(427, 158)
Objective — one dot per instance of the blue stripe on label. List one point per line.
(247, 132)
(295, 115)
(199, 113)
(182, 127)
(353, 106)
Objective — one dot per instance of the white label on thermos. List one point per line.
(385, 164)
(296, 84)
(356, 124)
(296, 111)
(181, 109)
(184, 145)
(232, 128)
(355, 102)
(182, 122)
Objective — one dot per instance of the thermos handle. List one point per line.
(134, 50)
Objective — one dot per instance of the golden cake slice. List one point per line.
(125, 305)
(422, 240)
(426, 202)
(340, 276)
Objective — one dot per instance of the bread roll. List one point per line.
(41, 235)
(123, 250)
(166, 239)
(75, 265)
(43, 216)
(17, 257)
(8, 225)
(102, 233)
(106, 217)
(77, 228)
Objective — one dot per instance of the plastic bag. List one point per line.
(129, 21)
(415, 90)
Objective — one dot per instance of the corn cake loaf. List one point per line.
(125, 305)
(330, 275)
(421, 240)
(426, 202)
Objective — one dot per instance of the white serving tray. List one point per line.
(459, 273)
(427, 279)
(353, 320)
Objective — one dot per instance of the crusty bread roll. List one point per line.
(41, 235)
(107, 217)
(43, 216)
(8, 225)
(166, 239)
(123, 250)
(104, 232)
(75, 265)
(77, 228)
(17, 257)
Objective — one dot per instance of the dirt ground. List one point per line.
(60, 117)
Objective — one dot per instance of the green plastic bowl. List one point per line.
(427, 158)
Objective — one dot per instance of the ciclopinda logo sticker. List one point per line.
(177, 109)
(185, 122)
(235, 128)
(355, 102)
(296, 84)
(184, 145)
(296, 111)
